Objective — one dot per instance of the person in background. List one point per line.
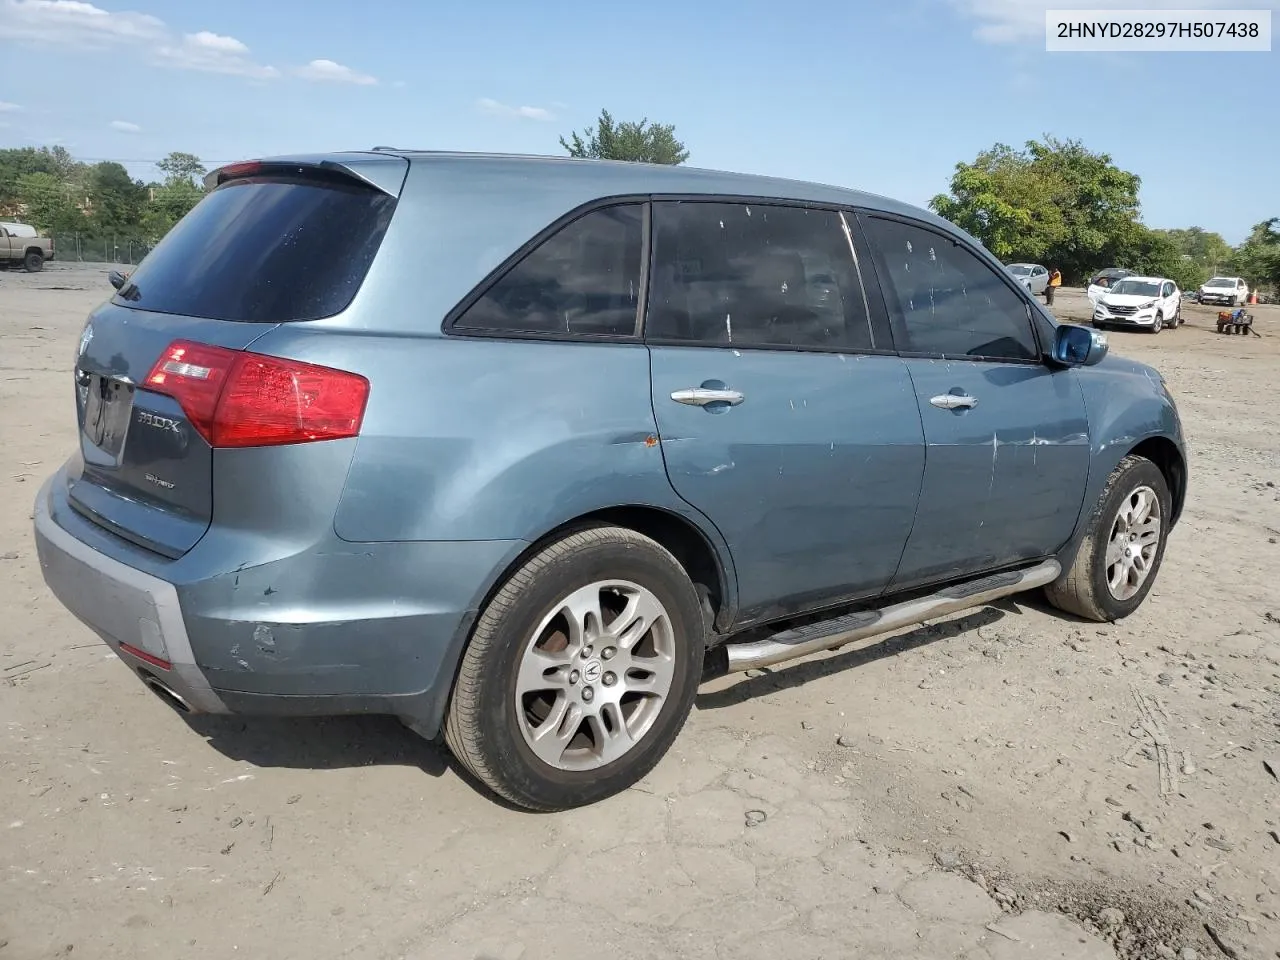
(1055, 281)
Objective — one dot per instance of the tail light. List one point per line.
(238, 399)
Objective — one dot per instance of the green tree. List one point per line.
(642, 142)
(1053, 201)
(50, 204)
(1206, 248)
(182, 168)
(18, 163)
(1258, 258)
(1154, 253)
(118, 200)
(170, 202)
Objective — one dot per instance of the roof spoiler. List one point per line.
(383, 172)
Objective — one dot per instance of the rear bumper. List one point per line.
(334, 628)
(123, 606)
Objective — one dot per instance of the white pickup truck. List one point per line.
(22, 244)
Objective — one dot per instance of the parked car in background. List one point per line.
(529, 444)
(1031, 275)
(1152, 303)
(1232, 291)
(1103, 280)
(21, 244)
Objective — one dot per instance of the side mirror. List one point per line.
(117, 279)
(1075, 346)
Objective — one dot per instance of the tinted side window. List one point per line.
(582, 280)
(754, 275)
(1168, 290)
(949, 302)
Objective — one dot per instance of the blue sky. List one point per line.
(882, 96)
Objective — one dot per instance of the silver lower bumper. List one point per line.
(122, 606)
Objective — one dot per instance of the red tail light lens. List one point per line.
(238, 399)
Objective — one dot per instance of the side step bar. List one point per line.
(828, 634)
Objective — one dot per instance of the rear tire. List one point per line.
(33, 262)
(1124, 542)
(601, 607)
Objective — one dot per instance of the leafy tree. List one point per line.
(18, 163)
(642, 142)
(1207, 249)
(118, 200)
(1053, 201)
(50, 206)
(182, 168)
(1258, 258)
(1154, 253)
(170, 203)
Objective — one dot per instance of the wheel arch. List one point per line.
(706, 565)
(706, 562)
(1164, 453)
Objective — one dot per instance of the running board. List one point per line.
(828, 634)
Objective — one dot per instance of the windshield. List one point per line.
(1136, 288)
(1020, 270)
(1220, 282)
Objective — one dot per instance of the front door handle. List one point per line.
(702, 396)
(954, 401)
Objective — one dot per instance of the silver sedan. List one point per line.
(1031, 275)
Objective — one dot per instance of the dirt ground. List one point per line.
(956, 791)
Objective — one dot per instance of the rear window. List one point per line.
(266, 250)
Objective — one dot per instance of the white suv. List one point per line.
(1149, 302)
(1232, 291)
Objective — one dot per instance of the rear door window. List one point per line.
(949, 303)
(266, 250)
(583, 280)
(755, 275)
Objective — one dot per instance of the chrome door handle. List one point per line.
(701, 396)
(952, 401)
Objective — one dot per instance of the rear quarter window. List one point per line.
(266, 250)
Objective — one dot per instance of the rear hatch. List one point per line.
(160, 378)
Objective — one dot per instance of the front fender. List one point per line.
(1127, 406)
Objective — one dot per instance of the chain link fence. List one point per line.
(109, 248)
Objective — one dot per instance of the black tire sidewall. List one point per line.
(525, 774)
(33, 262)
(1139, 474)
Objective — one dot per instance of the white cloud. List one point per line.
(213, 53)
(75, 23)
(207, 40)
(124, 126)
(6, 107)
(498, 109)
(1019, 21)
(329, 71)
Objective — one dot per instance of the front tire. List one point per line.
(580, 671)
(33, 262)
(1123, 547)
(1159, 324)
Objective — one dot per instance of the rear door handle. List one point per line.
(952, 401)
(702, 396)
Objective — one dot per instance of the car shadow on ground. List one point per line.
(783, 677)
(328, 743)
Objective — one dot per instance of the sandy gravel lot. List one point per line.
(956, 791)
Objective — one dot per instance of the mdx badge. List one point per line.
(167, 424)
